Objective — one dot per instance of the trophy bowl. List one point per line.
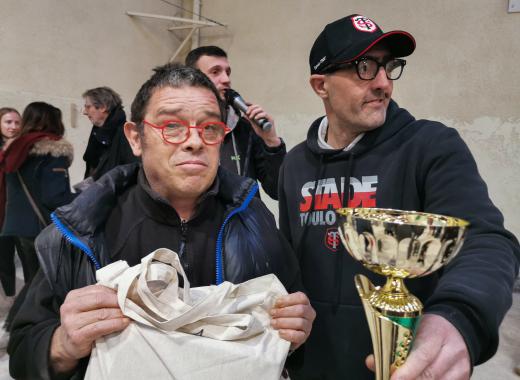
(396, 244)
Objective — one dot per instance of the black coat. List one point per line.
(257, 160)
(250, 246)
(107, 146)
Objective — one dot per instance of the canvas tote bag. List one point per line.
(211, 332)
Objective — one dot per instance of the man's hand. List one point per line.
(86, 315)
(439, 352)
(255, 112)
(292, 315)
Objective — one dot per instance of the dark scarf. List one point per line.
(13, 158)
(100, 138)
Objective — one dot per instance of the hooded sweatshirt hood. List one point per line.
(397, 118)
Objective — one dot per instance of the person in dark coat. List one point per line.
(248, 150)
(34, 180)
(36, 163)
(107, 146)
(178, 198)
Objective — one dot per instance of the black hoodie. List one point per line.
(405, 164)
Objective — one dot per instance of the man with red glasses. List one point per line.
(248, 150)
(369, 152)
(177, 198)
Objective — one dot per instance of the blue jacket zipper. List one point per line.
(218, 253)
(75, 241)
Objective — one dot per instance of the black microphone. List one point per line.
(234, 99)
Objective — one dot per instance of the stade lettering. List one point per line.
(327, 197)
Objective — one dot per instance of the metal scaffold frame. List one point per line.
(194, 24)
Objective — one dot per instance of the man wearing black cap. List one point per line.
(369, 152)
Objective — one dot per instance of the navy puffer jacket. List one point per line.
(45, 173)
(249, 246)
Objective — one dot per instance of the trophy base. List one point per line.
(392, 331)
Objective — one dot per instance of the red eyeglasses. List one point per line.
(178, 131)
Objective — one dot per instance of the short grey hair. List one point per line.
(104, 97)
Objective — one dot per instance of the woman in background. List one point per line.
(36, 173)
(9, 129)
(9, 125)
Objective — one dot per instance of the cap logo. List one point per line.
(320, 62)
(364, 24)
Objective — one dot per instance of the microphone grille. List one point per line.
(230, 95)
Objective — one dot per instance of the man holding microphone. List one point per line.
(250, 149)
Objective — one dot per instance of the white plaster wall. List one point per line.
(465, 71)
(53, 50)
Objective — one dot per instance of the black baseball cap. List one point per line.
(350, 37)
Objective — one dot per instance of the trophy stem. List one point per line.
(395, 287)
(393, 315)
(396, 300)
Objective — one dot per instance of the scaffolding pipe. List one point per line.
(181, 46)
(195, 40)
(172, 18)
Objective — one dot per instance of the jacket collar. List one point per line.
(16, 154)
(92, 207)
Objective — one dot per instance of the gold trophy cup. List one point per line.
(396, 244)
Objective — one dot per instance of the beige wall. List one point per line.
(53, 50)
(465, 71)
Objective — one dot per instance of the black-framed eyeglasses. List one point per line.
(178, 131)
(368, 67)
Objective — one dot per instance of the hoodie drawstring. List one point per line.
(248, 153)
(338, 276)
